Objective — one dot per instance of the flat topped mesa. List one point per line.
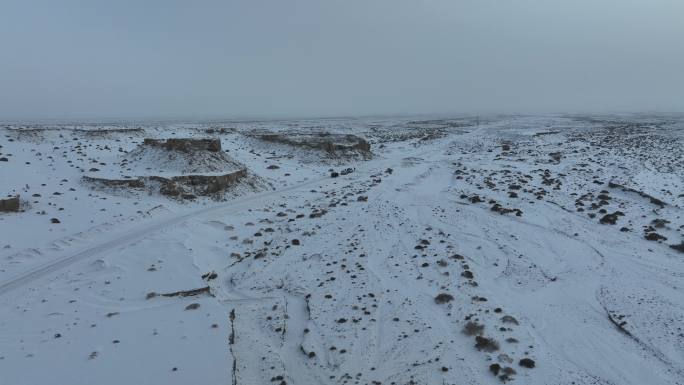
(328, 142)
(185, 144)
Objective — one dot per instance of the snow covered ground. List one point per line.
(531, 250)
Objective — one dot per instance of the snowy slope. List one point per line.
(462, 247)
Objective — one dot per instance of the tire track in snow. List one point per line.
(136, 234)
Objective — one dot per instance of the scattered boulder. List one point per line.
(10, 204)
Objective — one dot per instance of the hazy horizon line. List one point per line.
(295, 117)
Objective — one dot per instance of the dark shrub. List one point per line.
(443, 298)
(526, 363)
(486, 344)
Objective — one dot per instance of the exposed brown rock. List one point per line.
(131, 183)
(185, 144)
(183, 293)
(333, 144)
(202, 185)
(443, 298)
(182, 186)
(10, 204)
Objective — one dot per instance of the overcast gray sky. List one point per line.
(280, 58)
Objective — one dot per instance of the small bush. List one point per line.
(526, 363)
(679, 247)
(443, 298)
(472, 328)
(486, 344)
(654, 237)
(494, 368)
(507, 373)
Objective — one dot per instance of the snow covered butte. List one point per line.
(333, 144)
(178, 156)
(185, 144)
(181, 168)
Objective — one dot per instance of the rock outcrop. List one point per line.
(185, 186)
(9, 205)
(181, 186)
(130, 183)
(185, 144)
(333, 144)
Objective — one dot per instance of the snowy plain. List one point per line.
(518, 249)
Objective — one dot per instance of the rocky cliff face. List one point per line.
(188, 186)
(185, 144)
(180, 187)
(333, 144)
